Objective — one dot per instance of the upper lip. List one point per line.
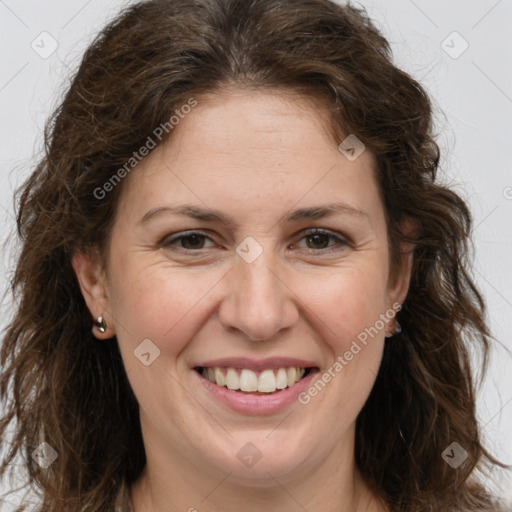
(257, 364)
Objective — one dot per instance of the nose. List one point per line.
(259, 302)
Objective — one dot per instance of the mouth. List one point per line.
(255, 386)
(252, 382)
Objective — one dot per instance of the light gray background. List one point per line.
(473, 91)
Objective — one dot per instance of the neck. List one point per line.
(172, 482)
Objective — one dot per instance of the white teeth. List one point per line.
(292, 374)
(232, 379)
(268, 381)
(218, 377)
(281, 379)
(248, 381)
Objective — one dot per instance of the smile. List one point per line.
(246, 380)
(254, 391)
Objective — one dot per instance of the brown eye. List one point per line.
(318, 240)
(191, 241)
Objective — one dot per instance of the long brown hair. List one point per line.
(61, 386)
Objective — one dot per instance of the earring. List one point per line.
(100, 324)
(398, 330)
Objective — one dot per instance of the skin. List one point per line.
(255, 156)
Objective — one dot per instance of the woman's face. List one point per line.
(254, 175)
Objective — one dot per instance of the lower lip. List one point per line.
(257, 404)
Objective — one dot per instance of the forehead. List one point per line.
(253, 122)
(242, 148)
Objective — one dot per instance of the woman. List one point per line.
(240, 285)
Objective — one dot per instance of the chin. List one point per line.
(259, 461)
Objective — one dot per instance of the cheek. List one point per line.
(348, 303)
(158, 303)
(348, 307)
(348, 310)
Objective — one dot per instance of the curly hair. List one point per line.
(60, 387)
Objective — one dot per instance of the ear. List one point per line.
(400, 277)
(91, 277)
(399, 280)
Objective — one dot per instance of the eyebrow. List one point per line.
(209, 215)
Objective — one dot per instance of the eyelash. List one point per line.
(343, 243)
